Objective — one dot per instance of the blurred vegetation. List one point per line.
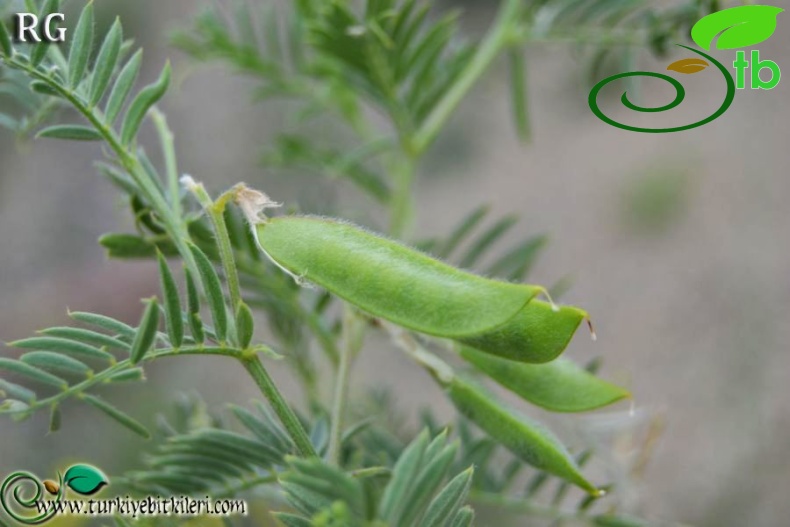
(389, 76)
(656, 201)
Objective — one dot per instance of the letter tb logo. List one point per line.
(741, 64)
(733, 28)
(28, 28)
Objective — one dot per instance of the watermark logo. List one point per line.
(27, 500)
(23, 491)
(733, 28)
(29, 27)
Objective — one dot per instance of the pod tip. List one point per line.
(593, 334)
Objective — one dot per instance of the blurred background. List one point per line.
(676, 244)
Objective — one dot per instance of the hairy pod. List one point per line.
(537, 333)
(413, 290)
(560, 385)
(529, 441)
(390, 280)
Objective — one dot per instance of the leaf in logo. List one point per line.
(85, 479)
(688, 66)
(739, 27)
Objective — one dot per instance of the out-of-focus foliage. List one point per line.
(355, 64)
(656, 201)
(410, 63)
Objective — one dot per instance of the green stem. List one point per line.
(126, 364)
(180, 235)
(169, 153)
(498, 37)
(352, 340)
(253, 364)
(518, 75)
(442, 372)
(287, 417)
(215, 211)
(338, 407)
(324, 336)
(402, 208)
(148, 188)
(402, 212)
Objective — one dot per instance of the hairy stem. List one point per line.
(215, 211)
(439, 370)
(287, 417)
(498, 37)
(314, 322)
(352, 342)
(148, 188)
(338, 407)
(253, 364)
(126, 364)
(416, 143)
(177, 228)
(402, 207)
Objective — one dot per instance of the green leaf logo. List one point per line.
(85, 479)
(739, 27)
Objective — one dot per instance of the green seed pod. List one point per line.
(413, 290)
(538, 333)
(390, 280)
(560, 385)
(527, 440)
